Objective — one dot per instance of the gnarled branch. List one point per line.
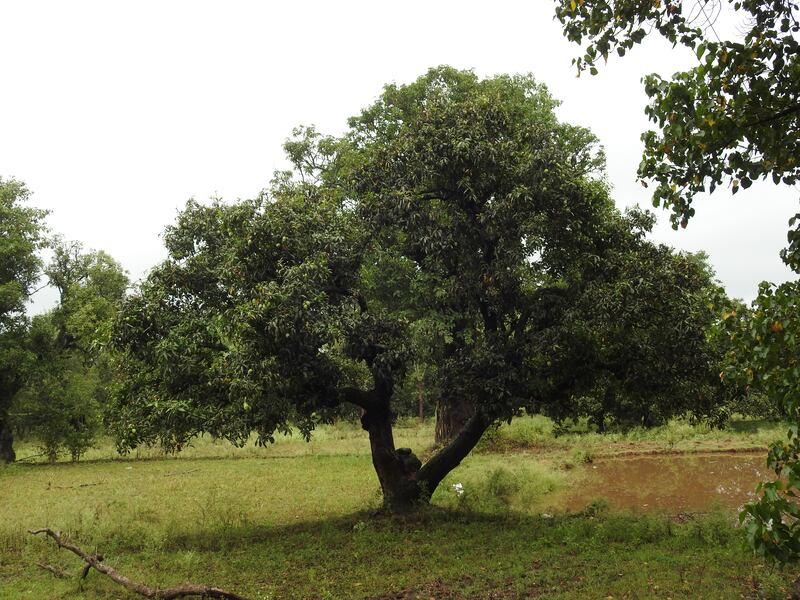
(94, 561)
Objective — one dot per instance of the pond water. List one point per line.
(673, 483)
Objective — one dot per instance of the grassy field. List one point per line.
(298, 520)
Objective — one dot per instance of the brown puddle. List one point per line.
(674, 483)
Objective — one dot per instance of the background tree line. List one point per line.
(54, 369)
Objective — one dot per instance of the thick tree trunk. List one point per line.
(405, 482)
(396, 468)
(452, 414)
(600, 420)
(6, 442)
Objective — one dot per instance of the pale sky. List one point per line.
(114, 113)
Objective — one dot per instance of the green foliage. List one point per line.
(413, 249)
(499, 207)
(734, 118)
(21, 235)
(763, 354)
(492, 484)
(434, 246)
(639, 333)
(58, 403)
(525, 431)
(249, 324)
(63, 399)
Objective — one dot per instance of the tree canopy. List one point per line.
(456, 222)
(763, 355)
(67, 383)
(453, 205)
(640, 334)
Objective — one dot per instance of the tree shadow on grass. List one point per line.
(442, 553)
(451, 554)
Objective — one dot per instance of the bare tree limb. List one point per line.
(94, 561)
(54, 570)
(73, 487)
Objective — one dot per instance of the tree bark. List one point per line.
(404, 481)
(396, 468)
(452, 414)
(7, 453)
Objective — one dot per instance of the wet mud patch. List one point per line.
(669, 483)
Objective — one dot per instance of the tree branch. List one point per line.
(360, 398)
(449, 457)
(522, 323)
(94, 561)
(776, 117)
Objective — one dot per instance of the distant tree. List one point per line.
(62, 400)
(21, 236)
(466, 195)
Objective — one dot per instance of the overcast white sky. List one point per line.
(116, 113)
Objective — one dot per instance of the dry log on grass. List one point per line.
(94, 561)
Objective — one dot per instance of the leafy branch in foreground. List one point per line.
(764, 354)
(732, 119)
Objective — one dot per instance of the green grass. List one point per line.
(297, 520)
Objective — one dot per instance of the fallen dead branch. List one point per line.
(94, 561)
(73, 487)
(181, 473)
(54, 570)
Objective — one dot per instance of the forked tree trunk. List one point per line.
(396, 469)
(451, 455)
(7, 454)
(405, 482)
